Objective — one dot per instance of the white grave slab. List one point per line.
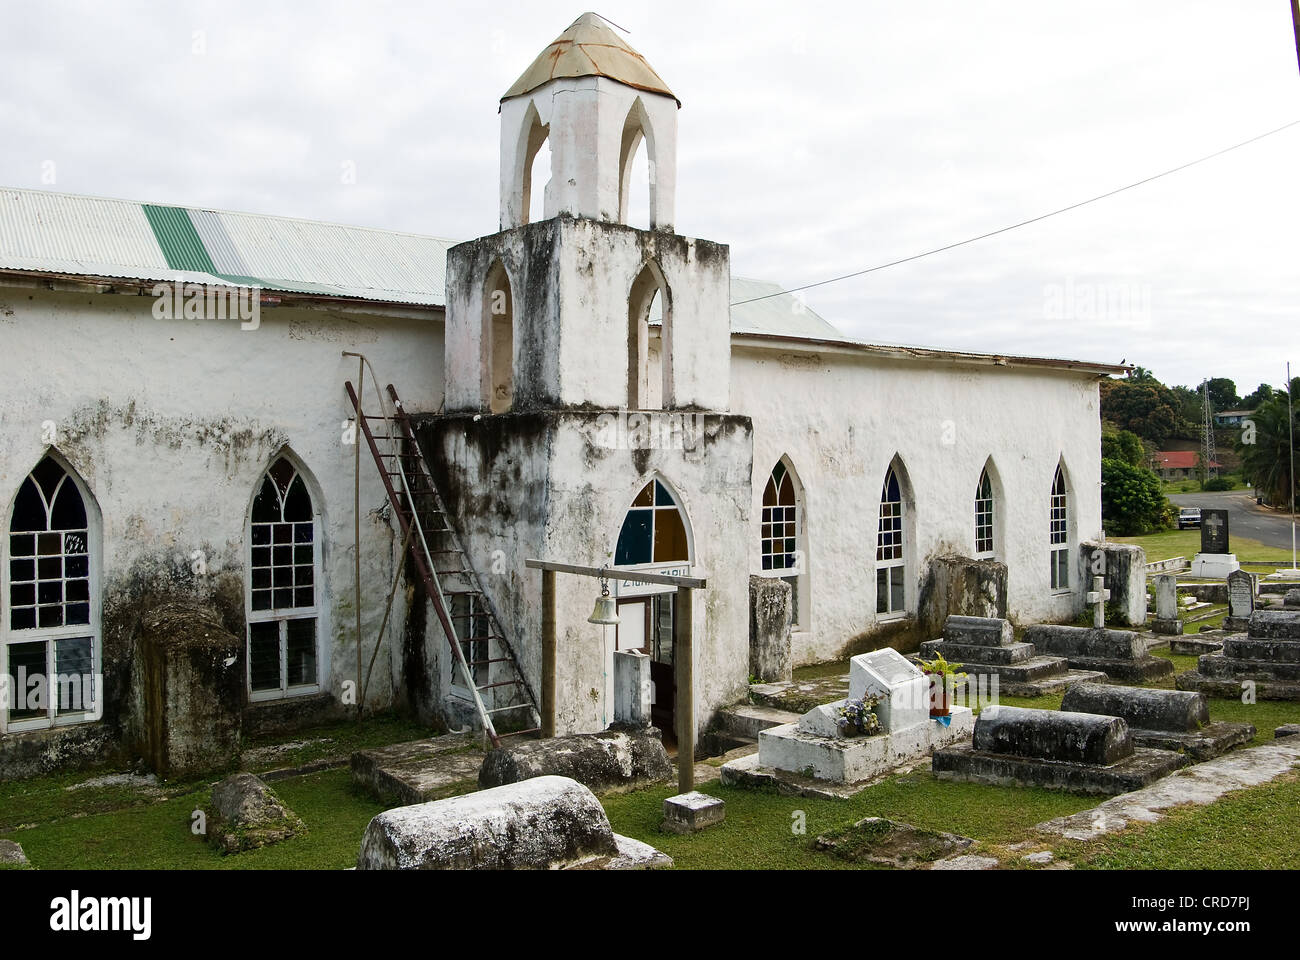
(904, 691)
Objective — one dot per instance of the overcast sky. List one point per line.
(815, 138)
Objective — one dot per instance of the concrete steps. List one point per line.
(976, 653)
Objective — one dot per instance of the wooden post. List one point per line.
(683, 662)
(548, 653)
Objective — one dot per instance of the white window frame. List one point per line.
(797, 575)
(985, 517)
(93, 710)
(1058, 533)
(283, 615)
(895, 565)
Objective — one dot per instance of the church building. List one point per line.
(179, 431)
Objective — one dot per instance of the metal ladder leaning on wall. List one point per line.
(423, 518)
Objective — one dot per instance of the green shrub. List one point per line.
(1131, 501)
(1215, 484)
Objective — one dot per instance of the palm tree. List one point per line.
(1267, 461)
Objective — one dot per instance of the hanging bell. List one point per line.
(606, 610)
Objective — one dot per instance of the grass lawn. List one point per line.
(1187, 543)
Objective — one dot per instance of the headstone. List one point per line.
(1214, 531)
(631, 689)
(1241, 600)
(1214, 561)
(1291, 598)
(903, 690)
(1167, 620)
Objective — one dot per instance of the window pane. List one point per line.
(896, 589)
(634, 539)
(882, 590)
(75, 680)
(264, 655)
(670, 537)
(28, 692)
(301, 641)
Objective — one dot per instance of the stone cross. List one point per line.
(1098, 596)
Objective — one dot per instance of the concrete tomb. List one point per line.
(631, 690)
(1120, 654)
(1242, 589)
(1167, 620)
(607, 761)
(1214, 562)
(1264, 663)
(816, 747)
(1161, 719)
(985, 647)
(1055, 749)
(546, 823)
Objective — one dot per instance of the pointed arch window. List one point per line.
(1059, 532)
(782, 532)
(284, 566)
(891, 569)
(654, 530)
(984, 515)
(51, 642)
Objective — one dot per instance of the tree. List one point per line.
(1188, 403)
(1131, 501)
(1262, 392)
(1223, 394)
(1145, 407)
(1122, 445)
(1264, 446)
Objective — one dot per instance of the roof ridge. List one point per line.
(236, 213)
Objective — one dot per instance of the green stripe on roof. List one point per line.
(180, 242)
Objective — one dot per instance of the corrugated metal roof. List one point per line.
(588, 48)
(92, 236)
(784, 315)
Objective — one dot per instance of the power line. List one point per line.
(1022, 223)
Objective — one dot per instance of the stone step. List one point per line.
(746, 720)
(1222, 667)
(978, 653)
(1270, 651)
(1137, 670)
(1232, 689)
(977, 631)
(1056, 683)
(1031, 670)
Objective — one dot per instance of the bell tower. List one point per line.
(579, 309)
(596, 99)
(587, 362)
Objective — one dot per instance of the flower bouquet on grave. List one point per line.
(943, 681)
(858, 717)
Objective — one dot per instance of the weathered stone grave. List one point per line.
(985, 646)
(1214, 562)
(1166, 619)
(1242, 589)
(1161, 719)
(1058, 750)
(418, 770)
(1124, 580)
(1265, 663)
(246, 814)
(817, 749)
(1120, 654)
(770, 610)
(546, 823)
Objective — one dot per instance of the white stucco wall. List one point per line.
(842, 418)
(172, 423)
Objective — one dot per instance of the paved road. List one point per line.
(1245, 519)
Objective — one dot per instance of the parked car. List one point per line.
(1189, 517)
